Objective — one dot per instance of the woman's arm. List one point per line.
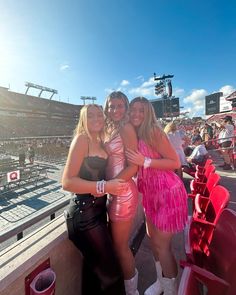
(71, 180)
(170, 160)
(130, 141)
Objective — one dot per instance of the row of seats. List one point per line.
(210, 238)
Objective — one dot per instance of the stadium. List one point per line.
(34, 140)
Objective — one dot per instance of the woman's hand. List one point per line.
(135, 157)
(116, 186)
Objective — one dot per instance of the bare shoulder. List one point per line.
(127, 128)
(80, 141)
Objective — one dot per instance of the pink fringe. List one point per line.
(164, 196)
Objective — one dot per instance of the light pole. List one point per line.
(84, 98)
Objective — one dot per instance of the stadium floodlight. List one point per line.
(84, 98)
(163, 77)
(42, 88)
(164, 86)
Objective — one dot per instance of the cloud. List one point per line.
(141, 78)
(64, 67)
(195, 102)
(140, 91)
(124, 83)
(227, 90)
(178, 92)
(146, 88)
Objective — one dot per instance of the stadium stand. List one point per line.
(24, 115)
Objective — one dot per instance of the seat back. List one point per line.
(196, 280)
(210, 208)
(204, 188)
(219, 199)
(203, 177)
(212, 181)
(222, 250)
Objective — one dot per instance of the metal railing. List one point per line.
(18, 229)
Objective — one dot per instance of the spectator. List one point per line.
(21, 156)
(120, 135)
(176, 140)
(86, 216)
(31, 154)
(164, 195)
(225, 140)
(199, 154)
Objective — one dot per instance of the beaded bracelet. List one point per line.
(100, 187)
(147, 162)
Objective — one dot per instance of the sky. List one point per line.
(92, 47)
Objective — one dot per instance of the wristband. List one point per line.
(100, 187)
(147, 162)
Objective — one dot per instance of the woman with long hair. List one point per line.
(120, 135)
(164, 195)
(86, 217)
(177, 141)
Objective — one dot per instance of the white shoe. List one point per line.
(169, 286)
(156, 288)
(131, 285)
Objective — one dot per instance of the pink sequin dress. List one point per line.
(164, 195)
(120, 208)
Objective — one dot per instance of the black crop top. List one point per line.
(93, 168)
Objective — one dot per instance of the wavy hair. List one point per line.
(111, 129)
(82, 126)
(170, 127)
(149, 130)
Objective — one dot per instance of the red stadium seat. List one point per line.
(209, 208)
(204, 188)
(203, 176)
(200, 227)
(220, 260)
(195, 278)
(201, 169)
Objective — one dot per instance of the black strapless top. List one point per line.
(93, 168)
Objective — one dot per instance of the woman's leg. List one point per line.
(120, 235)
(161, 246)
(97, 249)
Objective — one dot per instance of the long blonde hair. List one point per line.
(150, 129)
(170, 127)
(82, 126)
(111, 129)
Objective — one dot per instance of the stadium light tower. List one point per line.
(84, 98)
(164, 86)
(170, 103)
(42, 88)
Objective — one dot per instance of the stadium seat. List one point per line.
(195, 279)
(199, 229)
(201, 169)
(209, 208)
(203, 176)
(220, 260)
(204, 188)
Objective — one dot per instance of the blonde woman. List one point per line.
(164, 195)
(177, 141)
(121, 135)
(86, 216)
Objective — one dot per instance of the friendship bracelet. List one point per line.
(100, 187)
(147, 162)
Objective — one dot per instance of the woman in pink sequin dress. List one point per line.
(121, 135)
(164, 195)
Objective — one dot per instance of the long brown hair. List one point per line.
(150, 129)
(110, 128)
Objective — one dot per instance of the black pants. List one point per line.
(101, 272)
